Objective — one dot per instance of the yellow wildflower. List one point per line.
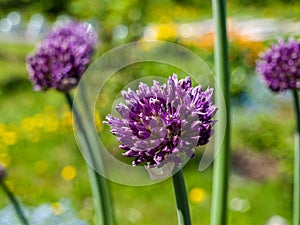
(197, 195)
(68, 173)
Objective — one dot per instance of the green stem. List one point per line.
(15, 203)
(296, 194)
(221, 163)
(183, 211)
(98, 183)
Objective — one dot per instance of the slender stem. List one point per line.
(98, 183)
(221, 164)
(80, 125)
(183, 211)
(296, 194)
(15, 203)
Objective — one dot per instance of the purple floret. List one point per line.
(62, 57)
(163, 123)
(279, 66)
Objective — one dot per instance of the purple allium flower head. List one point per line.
(62, 57)
(279, 66)
(163, 123)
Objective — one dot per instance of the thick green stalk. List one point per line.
(15, 203)
(296, 194)
(98, 183)
(183, 210)
(221, 163)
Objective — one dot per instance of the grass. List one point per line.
(35, 162)
(273, 9)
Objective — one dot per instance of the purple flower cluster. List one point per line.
(163, 123)
(62, 57)
(279, 66)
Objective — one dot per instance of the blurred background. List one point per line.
(37, 145)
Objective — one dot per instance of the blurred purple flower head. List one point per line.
(279, 66)
(163, 123)
(62, 57)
